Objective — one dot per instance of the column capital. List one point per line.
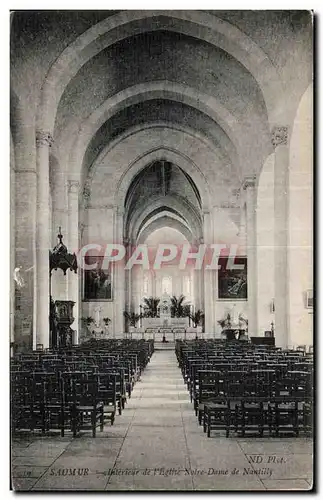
(86, 192)
(279, 135)
(73, 186)
(44, 138)
(249, 182)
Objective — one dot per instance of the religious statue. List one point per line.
(97, 312)
(18, 278)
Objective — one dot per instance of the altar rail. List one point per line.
(171, 335)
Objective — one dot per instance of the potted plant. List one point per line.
(132, 318)
(150, 307)
(87, 321)
(106, 321)
(226, 325)
(178, 308)
(225, 322)
(197, 318)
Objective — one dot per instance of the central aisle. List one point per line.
(156, 444)
(156, 437)
(165, 441)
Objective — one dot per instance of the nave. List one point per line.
(159, 432)
(161, 189)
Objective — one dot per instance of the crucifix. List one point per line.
(97, 312)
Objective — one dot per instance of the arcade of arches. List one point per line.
(163, 127)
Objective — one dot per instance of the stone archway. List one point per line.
(142, 218)
(300, 223)
(194, 23)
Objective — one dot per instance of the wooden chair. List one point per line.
(87, 409)
(59, 403)
(107, 393)
(210, 386)
(218, 415)
(21, 392)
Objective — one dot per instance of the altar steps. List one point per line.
(164, 346)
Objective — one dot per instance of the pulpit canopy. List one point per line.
(60, 258)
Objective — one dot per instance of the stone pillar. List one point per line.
(177, 283)
(280, 143)
(118, 278)
(249, 187)
(153, 284)
(73, 187)
(12, 240)
(43, 143)
(242, 228)
(197, 289)
(24, 194)
(209, 298)
(130, 275)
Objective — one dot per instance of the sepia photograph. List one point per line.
(161, 251)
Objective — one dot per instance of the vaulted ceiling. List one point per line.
(162, 195)
(93, 78)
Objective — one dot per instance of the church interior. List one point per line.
(161, 250)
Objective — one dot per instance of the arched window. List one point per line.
(187, 286)
(167, 285)
(146, 286)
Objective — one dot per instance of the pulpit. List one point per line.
(64, 315)
(61, 311)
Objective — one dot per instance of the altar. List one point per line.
(164, 323)
(167, 324)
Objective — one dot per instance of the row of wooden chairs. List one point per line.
(245, 389)
(77, 389)
(257, 416)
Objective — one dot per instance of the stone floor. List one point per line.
(156, 444)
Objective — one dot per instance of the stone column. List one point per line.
(43, 143)
(118, 278)
(209, 297)
(73, 187)
(196, 289)
(177, 283)
(280, 143)
(242, 226)
(12, 241)
(153, 284)
(130, 275)
(23, 232)
(249, 187)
